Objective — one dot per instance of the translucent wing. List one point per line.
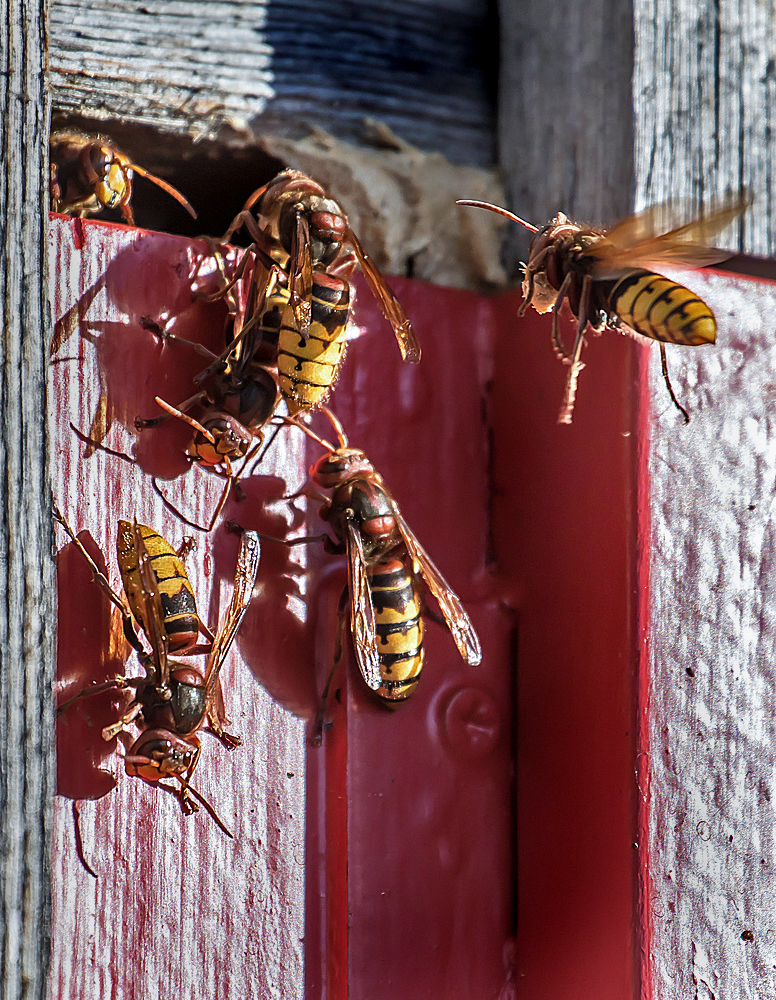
(250, 312)
(642, 240)
(149, 604)
(390, 305)
(362, 612)
(300, 275)
(244, 581)
(457, 620)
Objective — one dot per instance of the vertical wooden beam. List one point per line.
(565, 109)
(175, 901)
(565, 523)
(704, 98)
(27, 617)
(711, 636)
(704, 122)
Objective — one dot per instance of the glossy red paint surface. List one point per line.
(429, 787)
(566, 530)
(478, 841)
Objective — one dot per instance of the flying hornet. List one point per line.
(89, 173)
(605, 276)
(173, 701)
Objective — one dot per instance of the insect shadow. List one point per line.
(275, 639)
(134, 363)
(85, 658)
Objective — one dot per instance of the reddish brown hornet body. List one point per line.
(385, 562)
(174, 701)
(89, 173)
(301, 235)
(606, 278)
(237, 393)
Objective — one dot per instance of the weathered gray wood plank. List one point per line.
(27, 616)
(565, 111)
(203, 69)
(704, 81)
(704, 122)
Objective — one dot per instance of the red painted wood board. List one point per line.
(403, 851)
(424, 907)
(178, 909)
(652, 543)
(566, 529)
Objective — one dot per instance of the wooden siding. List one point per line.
(27, 591)
(565, 112)
(176, 904)
(704, 123)
(579, 134)
(711, 640)
(352, 856)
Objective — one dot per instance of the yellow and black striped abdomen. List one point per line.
(308, 369)
(399, 629)
(179, 607)
(661, 309)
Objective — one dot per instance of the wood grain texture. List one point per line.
(713, 649)
(177, 909)
(702, 106)
(565, 111)
(27, 633)
(229, 66)
(704, 100)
